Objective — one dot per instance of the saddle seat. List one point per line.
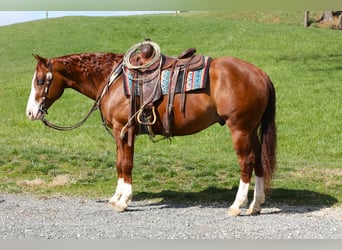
(186, 60)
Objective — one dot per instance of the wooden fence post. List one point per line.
(306, 19)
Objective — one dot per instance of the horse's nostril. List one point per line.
(30, 114)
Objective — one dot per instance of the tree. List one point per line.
(327, 16)
(332, 18)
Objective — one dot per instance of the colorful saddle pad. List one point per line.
(194, 80)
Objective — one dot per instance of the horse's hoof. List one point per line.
(233, 212)
(253, 211)
(118, 207)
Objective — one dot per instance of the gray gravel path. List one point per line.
(29, 217)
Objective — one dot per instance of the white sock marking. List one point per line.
(241, 196)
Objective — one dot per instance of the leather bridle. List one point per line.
(49, 77)
(42, 106)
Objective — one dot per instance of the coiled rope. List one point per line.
(136, 49)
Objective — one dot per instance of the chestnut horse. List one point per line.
(237, 94)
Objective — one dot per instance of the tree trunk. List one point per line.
(327, 16)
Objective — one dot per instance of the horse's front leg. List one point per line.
(124, 165)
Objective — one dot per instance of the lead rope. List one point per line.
(67, 128)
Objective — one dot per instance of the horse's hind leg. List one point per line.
(259, 189)
(247, 148)
(259, 196)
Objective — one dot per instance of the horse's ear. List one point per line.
(40, 59)
(37, 57)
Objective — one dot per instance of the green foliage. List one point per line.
(303, 63)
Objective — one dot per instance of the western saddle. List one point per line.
(145, 67)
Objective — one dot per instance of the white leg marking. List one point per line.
(118, 192)
(126, 194)
(122, 196)
(259, 196)
(240, 200)
(32, 108)
(241, 196)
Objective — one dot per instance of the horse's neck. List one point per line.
(87, 72)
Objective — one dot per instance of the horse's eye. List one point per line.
(40, 81)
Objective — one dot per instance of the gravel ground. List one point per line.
(29, 217)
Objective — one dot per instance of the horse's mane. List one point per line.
(90, 63)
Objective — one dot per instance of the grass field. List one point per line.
(304, 64)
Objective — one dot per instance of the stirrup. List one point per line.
(147, 123)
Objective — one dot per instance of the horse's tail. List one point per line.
(269, 137)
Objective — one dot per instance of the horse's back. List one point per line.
(238, 71)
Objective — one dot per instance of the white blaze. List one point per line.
(32, 109)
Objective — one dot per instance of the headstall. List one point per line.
(49, 77)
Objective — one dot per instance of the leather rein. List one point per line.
(113, 75)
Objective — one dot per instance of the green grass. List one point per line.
(304, 64)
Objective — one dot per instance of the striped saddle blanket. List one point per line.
(190, 80)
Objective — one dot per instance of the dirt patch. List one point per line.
(60, 180)
(31, 183)
(57, 181)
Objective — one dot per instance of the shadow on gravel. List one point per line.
(286, 200)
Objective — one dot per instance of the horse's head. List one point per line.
(46, 88)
